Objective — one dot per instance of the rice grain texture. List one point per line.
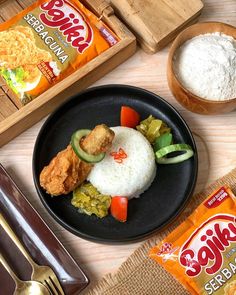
(136, 172)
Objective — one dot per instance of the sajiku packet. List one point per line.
(201, 252)
(47, 42)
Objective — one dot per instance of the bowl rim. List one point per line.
(172, 52)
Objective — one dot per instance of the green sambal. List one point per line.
(90, 201)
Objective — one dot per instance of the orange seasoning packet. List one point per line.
(47, 42)
(201, 252)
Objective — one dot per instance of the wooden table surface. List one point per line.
(215, 137)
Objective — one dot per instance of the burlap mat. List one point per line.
(140, 275)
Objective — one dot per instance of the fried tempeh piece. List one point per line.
(66, 171)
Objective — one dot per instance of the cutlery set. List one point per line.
(43, 279)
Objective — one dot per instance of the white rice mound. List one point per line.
(132, 177)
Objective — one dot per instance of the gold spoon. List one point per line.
(24, 287)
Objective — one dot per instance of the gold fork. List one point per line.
(42, 274)
(24, 287)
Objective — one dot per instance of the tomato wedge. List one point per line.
(129, 117)
(119, 208)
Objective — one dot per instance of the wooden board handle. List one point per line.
(106, 13)
(100, 7)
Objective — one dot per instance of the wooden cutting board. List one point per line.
(156, 22)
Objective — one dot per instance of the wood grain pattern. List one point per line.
(9, 8)
(156, 22)
(215, 137)
(6, 106)
(25, 3)
(9, 93)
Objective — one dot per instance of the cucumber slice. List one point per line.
(161, 154)
(75, 143)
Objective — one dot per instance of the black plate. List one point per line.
(155, 208)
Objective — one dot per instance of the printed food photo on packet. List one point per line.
(201, 252)
(47, 42)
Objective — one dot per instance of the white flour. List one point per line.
(206, 66)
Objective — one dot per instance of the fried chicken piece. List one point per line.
(18, 48)
(66, 171)
(33, 71)
(25, 30)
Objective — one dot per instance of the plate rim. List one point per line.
(138, 237)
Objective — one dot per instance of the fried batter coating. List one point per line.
(230, 288)
(33, 71)
(66, 171)
(25, 30)
(18, 48)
